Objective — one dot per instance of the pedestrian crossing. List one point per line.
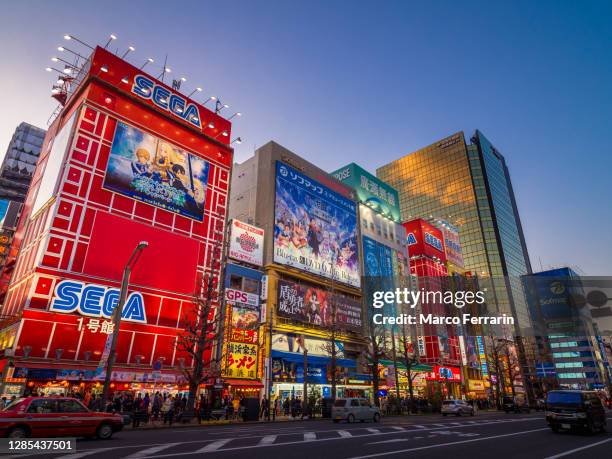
(233, 441)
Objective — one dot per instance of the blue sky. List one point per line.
(341, 81)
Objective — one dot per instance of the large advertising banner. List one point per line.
(295, 343)
(305, 303)
(315, 228)
(424, 239)
(246, 243)
(452, 244)
(148, 169)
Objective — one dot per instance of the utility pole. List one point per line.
(127, 271)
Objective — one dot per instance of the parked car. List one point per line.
(56, 417)
(515, 405)
(456, 407)
(355, 409)
(567, 409)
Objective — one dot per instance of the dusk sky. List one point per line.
(368, 82)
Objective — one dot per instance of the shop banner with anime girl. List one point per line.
(146, 168)
(315, 228)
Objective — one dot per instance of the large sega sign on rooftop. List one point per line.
(424, 239)
(370, 190)
(125, 77)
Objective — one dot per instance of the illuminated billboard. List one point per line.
(308, 304)
(315, 228)
(246, 243)
(146, 168)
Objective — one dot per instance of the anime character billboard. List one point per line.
(315, 228)
(151, 170)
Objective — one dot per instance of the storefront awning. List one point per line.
(401, 366)
(244, 383)
(315, 360)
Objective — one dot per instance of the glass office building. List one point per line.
(468, 185)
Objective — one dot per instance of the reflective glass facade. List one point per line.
(469, 186)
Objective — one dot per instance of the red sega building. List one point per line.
(428, 261)
(128, 159)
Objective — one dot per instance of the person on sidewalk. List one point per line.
(168, 410)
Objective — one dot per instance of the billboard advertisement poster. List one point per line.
(371, 190)
(246, 243)
(305, 303)
(144, 167)
(4, 205)
(241, 361)
(452, 244)
(244, 318)
(315, 228)
(295, 343)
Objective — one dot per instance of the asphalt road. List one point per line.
(487, 435)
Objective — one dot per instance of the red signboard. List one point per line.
(424, 239)
(444, 373)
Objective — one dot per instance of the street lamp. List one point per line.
(127, 271)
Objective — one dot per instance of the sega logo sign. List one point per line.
(96, 301)
(411, 239)
(166, 100)
(433, 241)
(238, 296)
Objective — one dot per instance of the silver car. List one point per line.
(456, 407)
(355, 409)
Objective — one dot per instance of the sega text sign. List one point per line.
(424, 239)
(96, 301)
(167, 100)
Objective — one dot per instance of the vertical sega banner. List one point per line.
(452, 244)
(424, 239)
(315, 228)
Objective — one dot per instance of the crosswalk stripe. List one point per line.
(267, 440)
(455, 424)
(373, 430)
(150, 451)
(419, 426)
(345, 433)
(214, 446)
(309, 436)
(438, 425)
(398, 428)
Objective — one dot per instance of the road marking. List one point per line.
(401, 429)
(344, 433)
(392, 440)
(375, 431)
(420, 448)
(571, 451)
(214, 446)
(298, 442)
(456, 424)
(419, 426)
(310, 436)
(439, 425)
(267, 440)
(150, 451)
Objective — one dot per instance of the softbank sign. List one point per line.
(96, 301)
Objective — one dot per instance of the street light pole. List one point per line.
(127, 271)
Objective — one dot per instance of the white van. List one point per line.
(355, 409)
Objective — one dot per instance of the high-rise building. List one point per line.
(468, 185)
(19, 162)
(311, 261)
(569, 342)
(15, 177)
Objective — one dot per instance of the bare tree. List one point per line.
(410, 358)
(201, 331)
(376, 351)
